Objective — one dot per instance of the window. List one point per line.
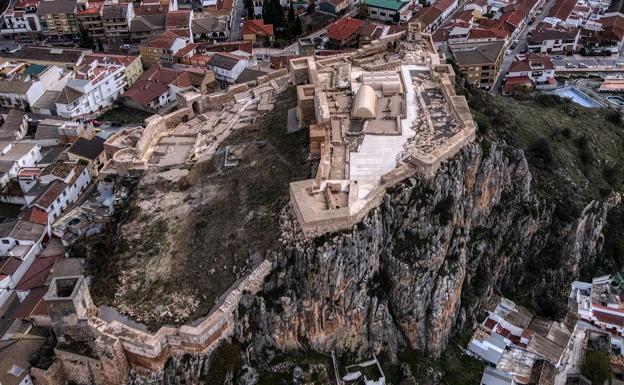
(5, 241)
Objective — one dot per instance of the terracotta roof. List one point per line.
(151, 9)
(38, 272)
(9, 265)
(562, 9)
(35, 215)
(154, 82)
(257, 27)
(33, 304)
(525, 65)
(224, 60)
(163, 41)
(490, 323)
(107, 57)
(178, 18)
(515, 80)
(492, 33)
(344, 28)
(185, 50)
(609, 318)
(49, 195)
(514, 18)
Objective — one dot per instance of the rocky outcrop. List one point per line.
(424, 262)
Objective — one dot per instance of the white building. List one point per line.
(64, 184)
(600, 302)
(96, 86)
(14, 156)
(20, 243)
(22, 85)
(20, 20)
(227, 67)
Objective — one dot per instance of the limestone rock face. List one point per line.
(423, 262)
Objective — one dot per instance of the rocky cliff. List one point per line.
(425, 261)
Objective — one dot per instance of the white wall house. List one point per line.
(14, 156)
(95, 87)
(62, 190)
(227, 67)
(23, 85)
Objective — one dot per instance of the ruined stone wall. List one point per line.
(54, 375)
(150, 351)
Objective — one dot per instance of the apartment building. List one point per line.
(547, 39)
(133, 66)
(534, 71)
(480, 62)
(21, 21)
(90, 20)
(116, 19)
(67, 58)
(96, 86)
(58, 20)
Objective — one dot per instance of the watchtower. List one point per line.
(69, 304)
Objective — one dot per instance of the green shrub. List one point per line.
(541, 149)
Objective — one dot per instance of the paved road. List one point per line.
(522, 43)
(590, 61)
(235, 31)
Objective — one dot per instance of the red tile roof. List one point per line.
(492, 33)
(32, 305)
(490, 323)
(516, 80)
(178, 18)
(343, 29)
(154, 82)
(562, 9)
(38, 272)
(257, 27)
(35, 215)
(534, 59)
(49, 195)
(514, 18)
(609, 318)
(9, 265)
(163, 41)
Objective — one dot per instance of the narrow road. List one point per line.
(235, 30)
(522, 44)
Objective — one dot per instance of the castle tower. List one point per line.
(69, 304)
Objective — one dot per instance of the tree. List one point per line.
(291, 13)
(596, 367)
(311, 6)
(249, 7)
(298, 27)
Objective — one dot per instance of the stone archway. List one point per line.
(196, 108)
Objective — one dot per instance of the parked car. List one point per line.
(508, 52)
(570, 65)
(125, 46)
(582, 65)
(94, 122)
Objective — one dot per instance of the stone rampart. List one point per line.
(149, 352)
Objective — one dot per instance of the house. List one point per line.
(90, 151)
(15, 354)
(553, 39)
(226, 66)
(161, 49)
(335, 7)
(133, 66)
(14, 156)
(560, 12)
(52, 132)
(116, 22)
(257, 32)
(434, 15)
(22, 85)
(480, 62)
(21, 21)
(67, 58)
(58, 20)
(210, 28)
(96, 86)
(180, 22)
(601, 302)
(156, 88)
(534, 71)
(605, 41)
(63, 183)
(384, 10)
(14, 127)
(145, 27)
(20, 243)
(344, 33)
